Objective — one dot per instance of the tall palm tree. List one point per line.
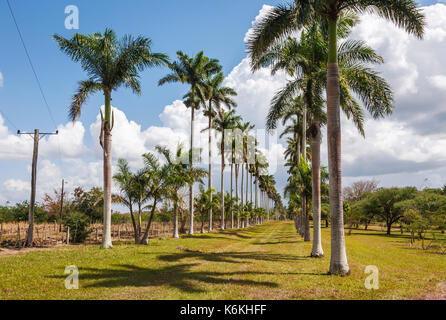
(193, 71)
(110, 63)
(225, 120)
(244, 128)
(237, 158)
(215, 96)
(284, 20)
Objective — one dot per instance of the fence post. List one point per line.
(68, 235)
(18, 235)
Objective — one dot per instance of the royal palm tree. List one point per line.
(243, 129)
(225, 120)
(285, 20)
(193, 71)
(110, 63)
(237, 159)
(215, 97)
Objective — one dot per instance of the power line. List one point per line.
(35, 75)
(31, 63)
(2, 113)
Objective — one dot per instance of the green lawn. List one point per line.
(263, 262)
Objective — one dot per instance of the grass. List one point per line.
(263, 262)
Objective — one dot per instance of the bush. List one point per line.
(79, 225)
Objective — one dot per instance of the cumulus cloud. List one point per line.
(412, 142)
(408, 148)
(130, 140)
(255, 91)
(438, 81)
(68, 144)
(265, 9)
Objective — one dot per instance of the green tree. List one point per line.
(110, 63)
(216, 96)
(285, 19)
(193, 71)
(180, 174)
(225, 120)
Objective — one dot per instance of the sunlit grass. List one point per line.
(263, 262)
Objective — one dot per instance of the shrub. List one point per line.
(79, 225)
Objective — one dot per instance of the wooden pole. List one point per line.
(61, 206)
(29, 235)
(37, 135)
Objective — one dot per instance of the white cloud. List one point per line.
(403, 149)
(1, 79)
(262, 13)
(438, 81)
(68, 144)
(255, 91)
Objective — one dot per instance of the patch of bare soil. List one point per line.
(11, 251)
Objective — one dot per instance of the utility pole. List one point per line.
(61, 205)
(37, 136)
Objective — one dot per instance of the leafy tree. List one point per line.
(383, 204)
(79, 226)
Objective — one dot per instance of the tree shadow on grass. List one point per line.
(206, 236)
(272, 242)
(229, 257)
(178, 276)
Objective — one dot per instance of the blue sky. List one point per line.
(218, 28)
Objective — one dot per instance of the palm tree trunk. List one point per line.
(232, 211)
(306, 220)
(222, 191)
(338, 261)
(250, 184)
(317, 251)
(191, 187)
(247, 190)
(257, 192)
(135, 230)
(247, 182)
(210, 169)
(107, 148)
(175, 221)
(241, 185)
(139, 220)
(236, 194)
(145, 237)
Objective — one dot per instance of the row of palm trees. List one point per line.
(111, 63)
(164, 182)
(326, 69)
